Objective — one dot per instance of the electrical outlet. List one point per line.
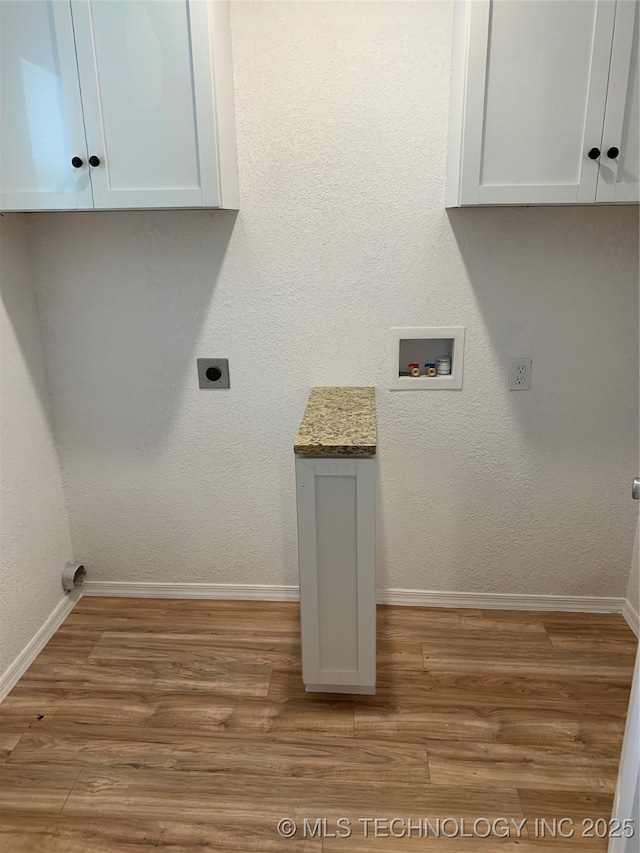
(213, 372)
(520, 374)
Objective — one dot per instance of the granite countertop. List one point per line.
(338, 422)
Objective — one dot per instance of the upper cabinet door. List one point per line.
(618, 180)
(528, 96)
(146, 76)
(41, 130)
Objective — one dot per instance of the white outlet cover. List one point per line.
(520, 374)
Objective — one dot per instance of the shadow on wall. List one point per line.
(559, 285)
(124, 348)
(18, 300)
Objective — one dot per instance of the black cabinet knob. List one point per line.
(94, 161)
(76, 162)
(592, 155)
(613, 152)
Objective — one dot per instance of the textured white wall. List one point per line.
(342, 132)
(35, 529)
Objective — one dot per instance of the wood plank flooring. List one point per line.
(184, 727)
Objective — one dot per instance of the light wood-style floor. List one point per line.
(183, 726)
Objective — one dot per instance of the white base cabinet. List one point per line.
(336, 544)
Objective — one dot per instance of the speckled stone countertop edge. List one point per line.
(335, 451)
(338, 422)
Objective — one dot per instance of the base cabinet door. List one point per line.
(336, 544)
(41, 127)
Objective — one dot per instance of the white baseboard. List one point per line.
(223, 591)
(21, 664)
(632, 617)
(500, 601)
(407, 597)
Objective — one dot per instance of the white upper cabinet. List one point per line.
(620, 160)
(41, 128)
(544, 103)
(140, 92)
